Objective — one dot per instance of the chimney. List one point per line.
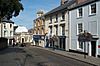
(62, 2)
(80, 1)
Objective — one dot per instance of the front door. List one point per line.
(22, 40)
(93, 48)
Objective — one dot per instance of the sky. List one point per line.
(26, 17)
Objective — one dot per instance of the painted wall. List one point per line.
(90, 23)
(47, 21)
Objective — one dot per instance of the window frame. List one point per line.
(78, 46)
(63, 16)
(90, 9)
(78, 12)
(4, 25)
(79, 28)
(56, 17)
(63, 30)
(50, 20)
(56, 30)
(10, 25)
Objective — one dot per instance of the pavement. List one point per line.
(89, 59)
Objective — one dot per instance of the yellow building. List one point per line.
(39, 30)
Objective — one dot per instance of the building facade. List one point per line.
(22, 36)
(6, 30)
(56, 21)
(85, 16)
(39, 30)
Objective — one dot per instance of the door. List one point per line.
(22, 40)
(93, 48)
(63, 41)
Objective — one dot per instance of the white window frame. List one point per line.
(78, 12)
(4, 25)
(63, 15)
(90, 9)
(78, 28)
(79, 47)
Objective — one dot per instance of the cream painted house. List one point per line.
(56, 21)
(7, 30)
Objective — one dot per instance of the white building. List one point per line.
(22, 35)
(56, 21)
(85, 15)
(6, 30)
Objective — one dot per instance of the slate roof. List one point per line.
(68, 4)
(61, 7)
(82, 4)
(8, 21)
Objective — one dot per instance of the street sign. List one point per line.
(38, 37)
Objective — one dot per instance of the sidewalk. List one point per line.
(80, 57)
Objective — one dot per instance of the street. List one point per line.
(33, 56)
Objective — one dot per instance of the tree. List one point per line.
(9, 8)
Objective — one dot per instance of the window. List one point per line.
(79, 28)
(4, 25)
(63, 30)
(4, 33)
(50, 30)
(63, 16)
(56, 30)
(79, 12)
(10, 33)
(50, 19)
(56, 17)
(80, 45)
(10, 25)
(93, 27)
(92, 9)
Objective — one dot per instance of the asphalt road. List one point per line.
(47, 58)
(33, 56)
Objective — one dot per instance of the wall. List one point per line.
(86, 20)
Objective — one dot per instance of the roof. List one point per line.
(82, 4)
(21, 29)
(61, 7)
(8, 21)
(67, 5)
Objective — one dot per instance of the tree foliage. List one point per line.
(9, 8)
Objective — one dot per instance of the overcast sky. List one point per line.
(26, 17)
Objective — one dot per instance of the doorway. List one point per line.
(22, 40)
(93, 48)
(62, 41)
